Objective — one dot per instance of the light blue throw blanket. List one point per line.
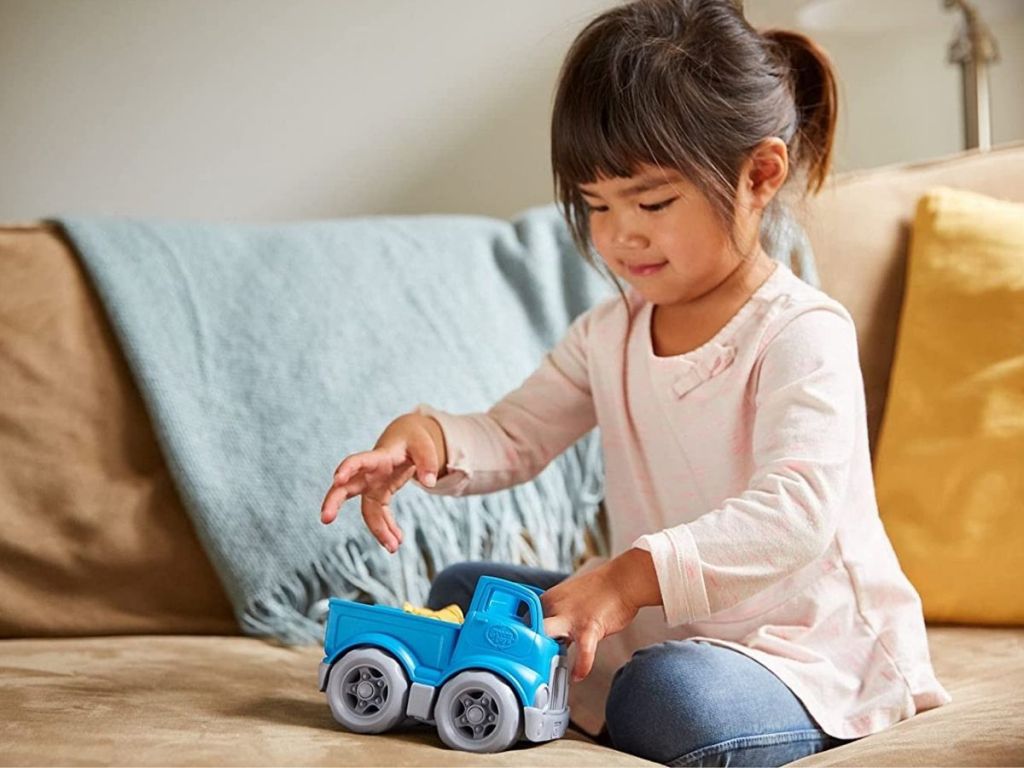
(267, 353)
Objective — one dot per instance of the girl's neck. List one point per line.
(677, 328)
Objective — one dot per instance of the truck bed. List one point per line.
(430, 640)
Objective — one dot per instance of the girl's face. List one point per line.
(658, 232)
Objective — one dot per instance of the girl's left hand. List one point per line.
(589, 607)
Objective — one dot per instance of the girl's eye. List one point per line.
(659, 206)
(650, 208)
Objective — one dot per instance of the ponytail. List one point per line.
(815, 93)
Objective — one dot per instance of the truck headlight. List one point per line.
(542, 697)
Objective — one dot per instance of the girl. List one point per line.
(753, 610)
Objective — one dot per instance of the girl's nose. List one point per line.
(626, 233)
(627, 237)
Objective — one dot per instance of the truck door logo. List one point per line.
(501, 637)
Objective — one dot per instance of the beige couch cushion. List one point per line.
(859, 227)
(241, 701)
(95, 539)
(983, 670)
(209, 701)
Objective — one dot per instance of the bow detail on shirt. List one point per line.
(715, 359)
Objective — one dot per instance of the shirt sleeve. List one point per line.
(521, 433)
(809, 398)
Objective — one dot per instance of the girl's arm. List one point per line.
(519, 435)
(809, 409)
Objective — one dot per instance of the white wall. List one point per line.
(900, 98)
(274, 110)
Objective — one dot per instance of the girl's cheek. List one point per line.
(599, 241)
(602, 235)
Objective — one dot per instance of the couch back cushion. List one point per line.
(95, 539)
(859, 227)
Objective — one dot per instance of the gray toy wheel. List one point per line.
(367, 691)
(477, 711)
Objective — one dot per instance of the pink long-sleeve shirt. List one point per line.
(743, 467)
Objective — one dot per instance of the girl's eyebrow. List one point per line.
(644, 185)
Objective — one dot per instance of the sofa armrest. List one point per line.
(95, 540)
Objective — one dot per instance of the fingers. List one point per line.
(587, 641)
(424, 458)
(337, 494)
(400, 479)
(377, 475)
(357, 461)
(558, 627)
(377, 512)
(332, 502)
(382, 525)
(351, 478)
(586, 638)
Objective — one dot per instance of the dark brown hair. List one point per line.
(688, 85)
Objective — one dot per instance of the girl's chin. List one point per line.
(649, 288)
(661, 293)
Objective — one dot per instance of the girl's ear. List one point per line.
(764, 172)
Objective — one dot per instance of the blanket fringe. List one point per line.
(544, 524)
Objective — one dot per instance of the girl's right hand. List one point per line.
(408, 445)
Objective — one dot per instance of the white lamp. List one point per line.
(974, 48)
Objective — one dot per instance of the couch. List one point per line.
(119, 645)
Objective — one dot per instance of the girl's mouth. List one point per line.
(646, 269)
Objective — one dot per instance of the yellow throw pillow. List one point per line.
(949, 466)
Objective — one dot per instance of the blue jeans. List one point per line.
(680, 702)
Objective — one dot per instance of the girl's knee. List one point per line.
(654, 708)
(454, 584)
(660, 669)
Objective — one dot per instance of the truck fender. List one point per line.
(482, 662)
(374, 640)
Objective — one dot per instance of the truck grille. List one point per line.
(559, 683)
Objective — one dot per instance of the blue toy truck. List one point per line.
(485, 684)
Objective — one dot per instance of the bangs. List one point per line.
(603, 127)
(593, 139)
